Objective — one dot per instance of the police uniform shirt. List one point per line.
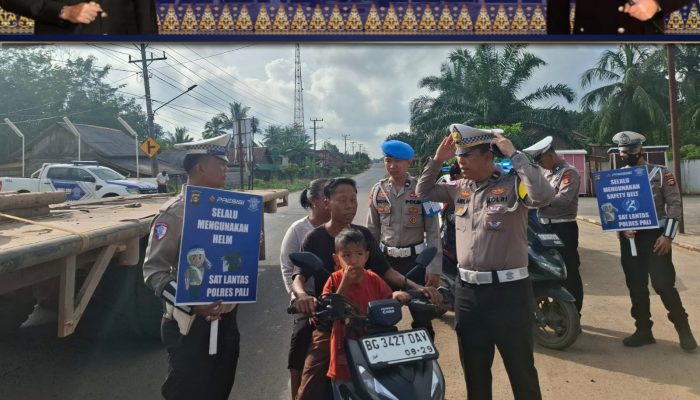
(565, 180)
(667, 195)
(490, 221)
(605, 17)
(124, 17)
(396, 218)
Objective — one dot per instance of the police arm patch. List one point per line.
(160, 230)
(566, 178)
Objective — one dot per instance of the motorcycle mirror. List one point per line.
(308, 262)
(426, 256)
(423, 259)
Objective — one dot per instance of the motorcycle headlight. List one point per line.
(373, 385)
(551, 268)
(133, 190)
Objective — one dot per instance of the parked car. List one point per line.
(80, 179)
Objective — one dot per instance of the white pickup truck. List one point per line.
(81, 180)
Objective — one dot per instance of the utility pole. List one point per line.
(352, 143)
(672, 95)
(345, 138)
(149, 107)
(240, 151)
(314, 120)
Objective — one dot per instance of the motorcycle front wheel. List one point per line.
(557, 323)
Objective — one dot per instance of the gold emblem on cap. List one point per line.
(456, 136)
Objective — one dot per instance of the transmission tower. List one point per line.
(298, 96)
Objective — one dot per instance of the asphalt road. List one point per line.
(103, 361)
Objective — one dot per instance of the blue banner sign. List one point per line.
(220, 246)
(625, 199)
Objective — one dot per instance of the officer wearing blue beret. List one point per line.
(403, 222)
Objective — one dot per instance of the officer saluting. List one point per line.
(404, 223)
(192, 372)
(560, 214)
(609, 17)
(493, 299)
(653, 259)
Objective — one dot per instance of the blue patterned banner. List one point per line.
(252, 17)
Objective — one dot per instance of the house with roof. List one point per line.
(110, 147)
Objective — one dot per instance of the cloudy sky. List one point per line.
(361, 90)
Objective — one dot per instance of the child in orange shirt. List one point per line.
(359, 285)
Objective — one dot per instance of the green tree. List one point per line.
(38, 90)
(180, 136)
(482, 87)
(237, 111)
(633, 95)
(214, 127)
(687, 59)
(286, 141)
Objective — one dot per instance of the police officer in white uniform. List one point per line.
(653, 260)
(402, 222)
(560, 214)
(192, 372)
(493, 298)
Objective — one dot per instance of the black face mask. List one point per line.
(631, 160)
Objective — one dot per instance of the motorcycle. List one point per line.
(557, 321)
(385, 363)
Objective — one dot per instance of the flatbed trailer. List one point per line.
(73, 246)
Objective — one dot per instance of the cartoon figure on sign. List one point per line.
(630, 205)
(231, 261)
(609, 213)
(197, 271)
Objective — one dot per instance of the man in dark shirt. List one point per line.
(342, 197)
(106, 17)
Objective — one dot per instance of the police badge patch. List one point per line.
(160, 230)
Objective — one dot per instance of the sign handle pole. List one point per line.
(633, 248)
(214, 336)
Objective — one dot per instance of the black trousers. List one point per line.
(568, 233)
(404, 266)
(499, 315)
(192, 372)
(638, 270)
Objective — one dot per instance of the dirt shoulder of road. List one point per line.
(597, 365)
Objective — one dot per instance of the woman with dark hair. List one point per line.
(311, 198)
(341, 196)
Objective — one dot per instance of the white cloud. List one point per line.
(363, 90)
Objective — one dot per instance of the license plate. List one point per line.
(399, 347)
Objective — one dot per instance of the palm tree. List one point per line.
(634, 94)
(482, 87)
(213, 128)
(180, 136)
(688, 71)
(237, 112)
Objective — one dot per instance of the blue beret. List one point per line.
(398, 149)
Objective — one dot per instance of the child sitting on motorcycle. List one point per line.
(359, 286)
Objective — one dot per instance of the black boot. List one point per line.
(685, 336)
(640, 337)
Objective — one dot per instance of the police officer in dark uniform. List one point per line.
(609, 17)
(560, 214)
(404, 223)
(103, 17)
(493, 296)
(653, 251)
(185, 330)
